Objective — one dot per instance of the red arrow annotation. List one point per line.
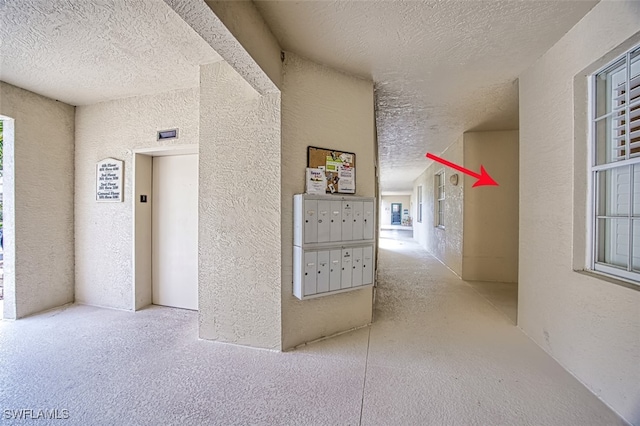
(483, 177)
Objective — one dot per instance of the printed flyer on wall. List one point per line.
(346, 179)
(316, 181)
(333, 164)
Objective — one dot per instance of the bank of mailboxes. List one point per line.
(333, 244)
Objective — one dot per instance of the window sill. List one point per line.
(610, 278)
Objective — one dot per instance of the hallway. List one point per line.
(441, 354)
(437, 354)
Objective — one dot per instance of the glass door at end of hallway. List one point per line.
(396, 213)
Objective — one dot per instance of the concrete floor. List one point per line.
(437, 354)
(397, 227)
(503, 296)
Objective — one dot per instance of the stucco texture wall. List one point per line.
(591, 326)
(325, 108)
(385, 207)
(491, 212)
(38, 199)
(104, 271)
(239, 213)
(247, 25)
(445, 244)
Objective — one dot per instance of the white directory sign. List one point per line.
(109, 180)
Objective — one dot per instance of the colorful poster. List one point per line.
(333, 164)
(316, 181)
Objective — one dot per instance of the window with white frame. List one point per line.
(420, 204)
(439, 199)
(615, 167)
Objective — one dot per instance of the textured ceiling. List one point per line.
(440, 67)
(82, 52)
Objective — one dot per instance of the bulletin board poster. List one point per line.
(339, 168)
(109, 180)
(316, 181)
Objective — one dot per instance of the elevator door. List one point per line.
(175, 231)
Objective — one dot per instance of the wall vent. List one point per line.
(167, 134)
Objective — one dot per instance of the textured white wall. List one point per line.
(445, 244)
(385, 206)
(239, 230)
(261, 76)
(103, 231)
(591, 326)
(491, 212)
(143, 176)
(322, 107)
(247, 25)
(38, 185)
